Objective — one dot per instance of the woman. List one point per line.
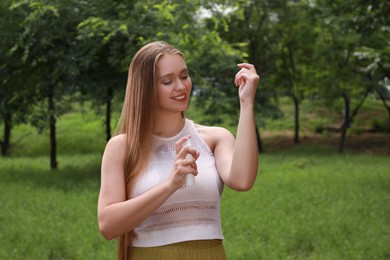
(143, 198)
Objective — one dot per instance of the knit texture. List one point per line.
(192, 212)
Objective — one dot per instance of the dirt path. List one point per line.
(375, 143)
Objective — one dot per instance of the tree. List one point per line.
(16, 98)
(246, 25)
(110, 37)
(6, 89)
(293, 43)
(211, 60)
(343, 33)
(47, 41)
(373, 57)
(103, 45)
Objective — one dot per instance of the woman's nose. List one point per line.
(179, 85)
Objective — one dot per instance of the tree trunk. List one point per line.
(108, 112)
(346, 121)
(382, 97)
(259, 141)
(52, 126)
(5, 144)
(296, 118)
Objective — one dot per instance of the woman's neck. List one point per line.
(168, 125)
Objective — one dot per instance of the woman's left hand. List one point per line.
(247, 81)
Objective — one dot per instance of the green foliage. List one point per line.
(243, 25)
(380, 126)
(304, 49)
(40, 59)
(346, 40)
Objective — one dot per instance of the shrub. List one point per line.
(380, 126)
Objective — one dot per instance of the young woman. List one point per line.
(143, 197)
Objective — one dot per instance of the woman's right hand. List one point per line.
(183, 164)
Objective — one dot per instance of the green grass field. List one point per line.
(309, 202)
(303, 206)
(312, 206)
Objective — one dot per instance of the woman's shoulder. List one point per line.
(213, 134)
(211, 130)
(117, 140)
(115, 147)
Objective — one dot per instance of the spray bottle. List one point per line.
(190, 178)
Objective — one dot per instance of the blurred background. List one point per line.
(322, 117)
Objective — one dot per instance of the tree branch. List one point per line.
(355, 111)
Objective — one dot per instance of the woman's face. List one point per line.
(173, 83)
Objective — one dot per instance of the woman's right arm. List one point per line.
(116, 215)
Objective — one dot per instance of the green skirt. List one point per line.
(189, 250)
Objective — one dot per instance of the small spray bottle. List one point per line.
(190, 178)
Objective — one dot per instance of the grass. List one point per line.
(76, 132)
(312, 206)
(304, 205)
(50, 215)
(309, 202)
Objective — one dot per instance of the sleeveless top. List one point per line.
(190, 213)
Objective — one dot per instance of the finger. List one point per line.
(240, 79)
(197, 155)
(241, 71)
(241, 82)
(248, 66)
(245, 75)
(187, 170)
(179, 144)
(240, 76)
(187, 150)
(191, 164)
(186, 167)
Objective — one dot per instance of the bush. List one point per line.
(319, 126)
(380, 126)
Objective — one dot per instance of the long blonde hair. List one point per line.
(138, 118)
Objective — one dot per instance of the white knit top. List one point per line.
(190, 213)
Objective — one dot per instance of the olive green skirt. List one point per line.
(189, 250)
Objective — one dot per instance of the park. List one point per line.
(322, 118)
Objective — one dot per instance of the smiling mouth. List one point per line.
(182, 97)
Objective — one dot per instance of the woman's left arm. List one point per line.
(237, 160)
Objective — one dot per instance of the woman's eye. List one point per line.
(167, 82)
(185, 77)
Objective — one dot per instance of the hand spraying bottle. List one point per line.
(190, 178)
